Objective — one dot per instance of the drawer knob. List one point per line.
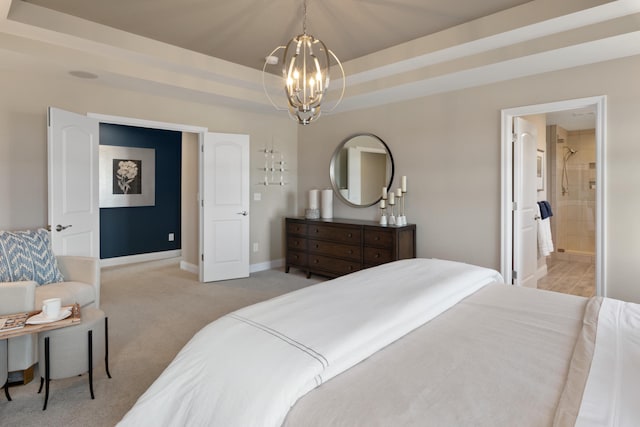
(317, 246)
(349, 235)
(350, 251)
(316, 260)
(377, 238)
(351, 268)
(377, 255)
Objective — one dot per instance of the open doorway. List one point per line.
(585, 176)
(572, 176)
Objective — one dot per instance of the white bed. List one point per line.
(414, 342)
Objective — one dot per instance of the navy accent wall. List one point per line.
(145, 229)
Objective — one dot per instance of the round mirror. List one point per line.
(361, 165)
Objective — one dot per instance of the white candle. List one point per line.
(392, 200)
(382, 204)
(384, 193)
(404, 184)
(314, 199)
(399, 192)
(326, 203)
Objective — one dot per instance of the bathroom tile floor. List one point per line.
(569, 277)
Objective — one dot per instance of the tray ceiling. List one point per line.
(245, 31)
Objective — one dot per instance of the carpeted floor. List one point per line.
(154, 309)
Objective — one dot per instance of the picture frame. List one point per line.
(127, 176)
(540, 170)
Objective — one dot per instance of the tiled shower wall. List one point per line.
(575, 208)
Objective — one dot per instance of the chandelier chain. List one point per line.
(304, 19)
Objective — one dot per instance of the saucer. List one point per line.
(41, 318)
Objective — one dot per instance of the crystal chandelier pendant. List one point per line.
(306, 66)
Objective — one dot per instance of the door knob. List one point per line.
(62, 227)
(243, 213)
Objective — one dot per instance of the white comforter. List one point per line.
(611, 394)
(249, 367)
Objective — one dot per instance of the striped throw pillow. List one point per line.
(27, 255)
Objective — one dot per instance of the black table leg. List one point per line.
(91, 363)
(106, 346)
(6, 391)
(46, 372)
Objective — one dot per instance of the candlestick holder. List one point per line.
(383, 216)
(402, 218)
(392, 217)
(399, 204)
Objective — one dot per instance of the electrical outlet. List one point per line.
(255, 247)
(257, 196)
(172, 237)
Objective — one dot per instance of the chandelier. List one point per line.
(306, 65)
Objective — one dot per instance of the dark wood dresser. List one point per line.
(334, 247)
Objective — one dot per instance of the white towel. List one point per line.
(545, 242)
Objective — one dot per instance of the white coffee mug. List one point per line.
(51, 307)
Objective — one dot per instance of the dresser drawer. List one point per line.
(350, 235)
(378, 238)
(333, 266)
(375, 256)
(297, 258)
(297, 228)
(296, 243)
(335, 249)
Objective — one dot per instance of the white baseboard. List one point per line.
(132, 259)
(191, 268)
(541, 272)
(268, 265)
(253, 268)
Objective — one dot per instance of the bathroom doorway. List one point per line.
(593, 108)
(572, 175)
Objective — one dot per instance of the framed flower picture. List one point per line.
(127, 176)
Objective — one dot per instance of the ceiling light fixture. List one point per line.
(306, 64)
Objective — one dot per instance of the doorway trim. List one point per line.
(200, 131)
(507, 116)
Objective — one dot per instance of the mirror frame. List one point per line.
(332, 169)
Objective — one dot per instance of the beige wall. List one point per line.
(23, 136)
(449, 147)
(189, 218)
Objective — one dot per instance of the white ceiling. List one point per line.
(578, 119)
(392, 50)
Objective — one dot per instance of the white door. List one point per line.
(74, 213)
(525, 232)
(224, 208)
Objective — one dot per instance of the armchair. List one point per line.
(14, 298)
(81, 284)
(26, 257)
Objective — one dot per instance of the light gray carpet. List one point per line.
(154, 309)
